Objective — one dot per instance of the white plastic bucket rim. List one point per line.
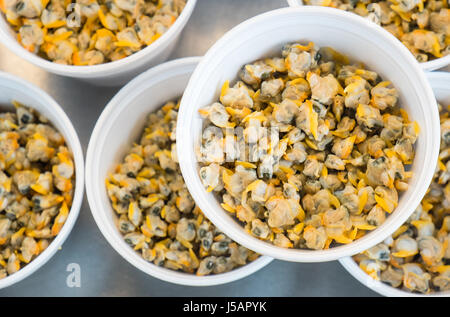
(242, 44)
(102, 211)
(112, 69)
(434, 64)
(33, 97)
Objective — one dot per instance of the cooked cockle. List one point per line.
(323, 147)
(442, 281)
(36, 185)
(89, 32)
(415, 278)
(379, 252)
(423, 26)
(156, 214)
(392, 276)
(418, 253)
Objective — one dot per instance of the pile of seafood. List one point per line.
(416, 257)
(89, 32)
(422, 25)
(36, 186)
(156, 214)
(307, 150)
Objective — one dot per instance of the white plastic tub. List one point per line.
(109, 74)
(348, 33)
(14, 88)
(427, 66)
(440, 82)
(120, 124)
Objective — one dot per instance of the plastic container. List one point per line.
(348, 33)
(427, 66)
(440, 82)
(14, 88)
(109, 74)
(122, 122)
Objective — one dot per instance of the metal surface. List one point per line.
(103, 271)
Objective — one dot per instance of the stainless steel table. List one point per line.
(106, 273)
